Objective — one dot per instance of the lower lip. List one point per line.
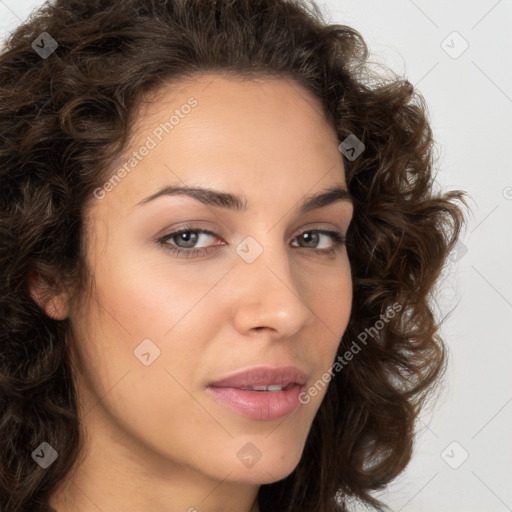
(260, 405)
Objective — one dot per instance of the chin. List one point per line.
(266, 470)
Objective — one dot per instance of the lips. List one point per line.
(262, 378)
(261, 393)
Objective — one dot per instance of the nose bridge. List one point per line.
(268, 294)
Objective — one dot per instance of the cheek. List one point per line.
(330, 297)
(140, 341)
(149, 299)
(331, 300)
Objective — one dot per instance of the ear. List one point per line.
(55, 303)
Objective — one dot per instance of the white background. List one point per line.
(470, 106)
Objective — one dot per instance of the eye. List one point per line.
(182, 242)
(313, 237)
(185, 239)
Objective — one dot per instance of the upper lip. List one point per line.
(263, 376)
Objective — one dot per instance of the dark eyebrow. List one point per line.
(238, 203)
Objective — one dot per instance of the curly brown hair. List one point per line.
(63, 121)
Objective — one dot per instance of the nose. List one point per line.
(267, 295)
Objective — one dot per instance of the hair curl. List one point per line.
(65, 118)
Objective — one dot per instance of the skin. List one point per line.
(154, 438)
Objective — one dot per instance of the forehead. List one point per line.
(237, 110)
(232, 133)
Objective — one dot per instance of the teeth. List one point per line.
(275, 387)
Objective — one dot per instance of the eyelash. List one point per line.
(337, 238)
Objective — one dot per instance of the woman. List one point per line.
(219, 239)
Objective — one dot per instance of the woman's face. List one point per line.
(260, 289)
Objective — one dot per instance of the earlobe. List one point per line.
(54, 303)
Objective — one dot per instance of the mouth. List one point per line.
(271, 388)
(261, 378)
(261, 393)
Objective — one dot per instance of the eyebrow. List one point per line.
(239, 203)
